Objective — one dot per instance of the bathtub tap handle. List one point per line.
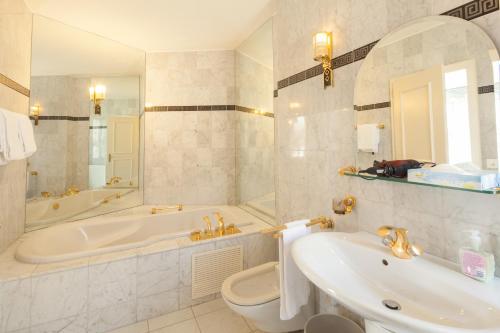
(221, 230)
(208, 223)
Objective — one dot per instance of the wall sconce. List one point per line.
(97, 95)
(322, 43)
(35, 113)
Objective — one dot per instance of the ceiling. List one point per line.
(259, 46)
(163, 25)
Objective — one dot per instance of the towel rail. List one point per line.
(323, 221)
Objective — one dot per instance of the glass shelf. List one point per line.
(493, 191)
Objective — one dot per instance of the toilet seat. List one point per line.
(254, 286)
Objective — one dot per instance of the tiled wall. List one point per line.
(15, 43)
(315, 128)
(190, 155)
(62, 156)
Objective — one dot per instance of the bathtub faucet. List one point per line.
(221, 230)
(156, 210)
(72, 190)
(114, 180)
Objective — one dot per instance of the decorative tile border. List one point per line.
(98, 127)
(474, 9)
(254, 111)
(70, 118)
(14, 85)
(486, 89)
(368, 107)
(170, 108)
(165, 108)
(469, 11)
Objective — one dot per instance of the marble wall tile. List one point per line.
(112, 283)
(59, 295)
(115, 316)
(157, 273)
(15, 300)
(74, 324)
(157, 304)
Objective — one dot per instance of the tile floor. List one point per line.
(210, 317)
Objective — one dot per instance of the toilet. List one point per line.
(255, 294)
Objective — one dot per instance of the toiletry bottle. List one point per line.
(474, 262)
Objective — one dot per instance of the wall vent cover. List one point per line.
(210, 269)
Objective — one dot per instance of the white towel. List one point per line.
(27, 135)
(368, 138)
(294, 286)
(13, 146)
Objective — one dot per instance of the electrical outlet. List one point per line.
(492, 164)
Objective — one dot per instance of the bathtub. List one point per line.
(109, 234)
(54, 209)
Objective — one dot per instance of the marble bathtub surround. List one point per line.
(102, 293)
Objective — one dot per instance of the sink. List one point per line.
(434, 297)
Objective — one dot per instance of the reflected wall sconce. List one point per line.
(35, 113)
(97, 95)
(322, 44)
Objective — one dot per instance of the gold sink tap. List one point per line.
(397, 240)
(114, 180)
(208, 223)
(221, 229)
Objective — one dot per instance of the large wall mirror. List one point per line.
(86, 104)
(255, 123)
(428, 88)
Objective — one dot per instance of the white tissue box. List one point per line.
(477, 180)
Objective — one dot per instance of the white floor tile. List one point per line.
(170, 319)
(208, 307)
(188, 326)
(140, 327)
(222, 321)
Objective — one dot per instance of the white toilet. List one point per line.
(255, 294)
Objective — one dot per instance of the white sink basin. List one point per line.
(434, 297)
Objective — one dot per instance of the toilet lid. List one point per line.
(254, 286)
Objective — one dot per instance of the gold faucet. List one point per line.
(221, 229)
(72, 190)
(208, 223)
(156, 210)
(399, 243)
(46, 194)
(114, 180)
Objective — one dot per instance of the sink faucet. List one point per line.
(399, 243)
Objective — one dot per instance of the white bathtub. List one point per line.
(110, 234)
(44, 211)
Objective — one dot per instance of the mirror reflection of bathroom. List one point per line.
(429, 88)
(255, 124)
(86, 102)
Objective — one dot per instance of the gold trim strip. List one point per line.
(14, 85)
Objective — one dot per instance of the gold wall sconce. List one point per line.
(322, 44)
(344, 206)
(97, 95)
(35, 113)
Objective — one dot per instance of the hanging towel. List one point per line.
(294, 286)
(13, 148)
(27, 135)
(368, 138)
